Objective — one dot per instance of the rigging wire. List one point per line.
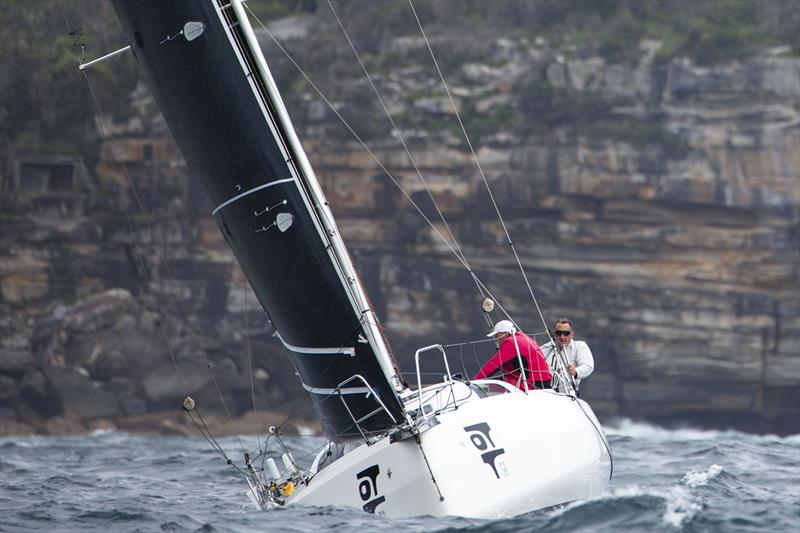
(136, 243)
(138, 246)
(249, 353)
(461, 357)
(202, 427)
(225, 406)
(297, 407)
(459, 250)
(475, 354)
(376, 159)
(478, 164)
(481, 286)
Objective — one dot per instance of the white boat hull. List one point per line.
(492, 457)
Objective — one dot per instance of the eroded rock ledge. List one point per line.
(666, 227)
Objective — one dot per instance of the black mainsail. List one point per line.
(223, 109)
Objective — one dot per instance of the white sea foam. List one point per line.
(306, 431)
(700, 478)
(680, 507)
(679, 504)
(793, 439)
(22, 442)
(626, 427)
(641, 430)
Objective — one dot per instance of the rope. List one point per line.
(478, 164)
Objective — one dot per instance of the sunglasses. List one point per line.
(564, 333)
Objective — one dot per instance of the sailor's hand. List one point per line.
(572, 370)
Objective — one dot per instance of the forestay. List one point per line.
(224, 112)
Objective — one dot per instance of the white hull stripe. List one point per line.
(251, 191)
(344, 350)
(328, 392)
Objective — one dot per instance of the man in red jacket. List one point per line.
(513, 346)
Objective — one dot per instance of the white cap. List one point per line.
(504, 326)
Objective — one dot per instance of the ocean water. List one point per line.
(664, 480)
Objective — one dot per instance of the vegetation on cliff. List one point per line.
(706, 31)
(44, 105)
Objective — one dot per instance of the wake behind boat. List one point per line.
(481, 448)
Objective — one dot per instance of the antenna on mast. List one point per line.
(191, 31)
(77, 42)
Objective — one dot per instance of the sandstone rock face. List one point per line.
(663, 221)
(675, 251)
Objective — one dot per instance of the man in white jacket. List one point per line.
(580, 363)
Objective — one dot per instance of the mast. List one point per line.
(339, 253)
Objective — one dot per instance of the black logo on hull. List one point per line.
(479, 436)
(368, 487)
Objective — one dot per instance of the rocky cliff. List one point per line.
(653, 201)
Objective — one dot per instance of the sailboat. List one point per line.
(467, 448)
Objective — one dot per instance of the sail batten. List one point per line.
(342, 350)
(229, 122)
(251, 191)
